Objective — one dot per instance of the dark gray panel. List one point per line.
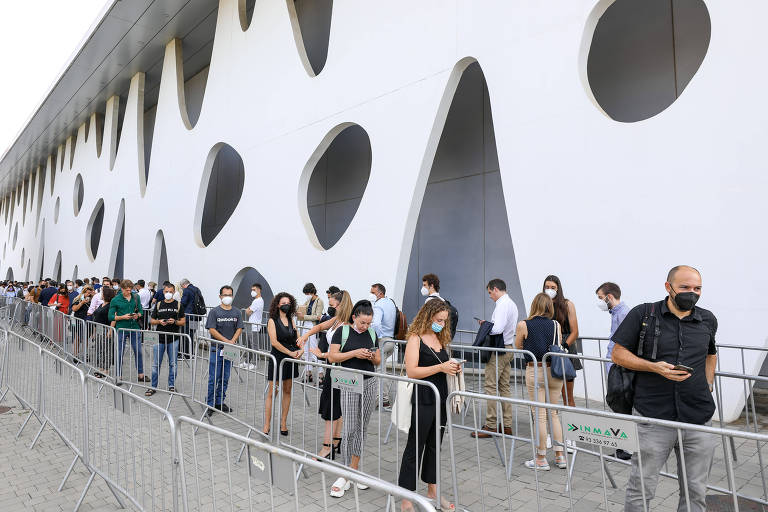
(98, 223)
(462, 234)
(631, 62)
(117, 273)
(149, 132)
(692, 33)
(194, 92)
(162, 272)
(337, 184)
(243, 289)
(225, 187)
(315, 23)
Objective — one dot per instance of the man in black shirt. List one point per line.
(675, 373)
(168, 316)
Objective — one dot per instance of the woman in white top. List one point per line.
(340, 306)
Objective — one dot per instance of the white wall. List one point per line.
(628, 201)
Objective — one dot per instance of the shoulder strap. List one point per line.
(649, 312)
(372, 333)
(344, 336)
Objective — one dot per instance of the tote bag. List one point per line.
(562, 367)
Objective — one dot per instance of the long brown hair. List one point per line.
(541, 306)
(422, 324)
(560, 302)
(344, 310)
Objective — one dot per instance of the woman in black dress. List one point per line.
(565, 314)
(427, 358)
(282, 336)
(329, 407)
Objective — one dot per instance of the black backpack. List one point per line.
(454, 315)
(198, 305)
(620, 395)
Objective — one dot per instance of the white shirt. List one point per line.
(257, 309)
(505, 319)
(432, 296)
(144, 297)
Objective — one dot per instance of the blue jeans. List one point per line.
(218, 377)
(158, 351)
(135, 348)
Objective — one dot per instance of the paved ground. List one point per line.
(138, 438)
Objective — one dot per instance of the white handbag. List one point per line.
(401, 410)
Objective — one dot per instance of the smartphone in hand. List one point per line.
(683, 368)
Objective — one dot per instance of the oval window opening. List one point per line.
(311, 24)
(337, 184)
(643, 54)
(79, 194)
(93, 231)
(222, 191)
(15, 236)
(56, 210)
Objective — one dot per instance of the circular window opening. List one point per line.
(644, 53)
(79, 194)
(56, 210)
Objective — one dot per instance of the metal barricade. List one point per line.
(99, 348)
(22, 375)
(597, 434)
(211, 480)
(255, 336)
(194, 326)
(355, 391)
(154, 355)
(131, 443)
(225, 387)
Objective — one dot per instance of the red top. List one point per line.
(63, 302)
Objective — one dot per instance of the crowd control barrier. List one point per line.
(212, 480)
(159, 354)
(586, 429)
(221, 380)
(380, 457)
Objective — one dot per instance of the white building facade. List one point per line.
(354, 142)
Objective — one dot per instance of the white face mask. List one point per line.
(226, 300)
(168, 296)
(254, 294)
(372, 298)
(602, 305)
(69, 287)
(552, 293)
(424, 291)
(116, 287)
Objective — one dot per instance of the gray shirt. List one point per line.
(226, 322)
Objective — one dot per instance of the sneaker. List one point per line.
(243, 365)
(532, 464)
(223, 408)
(621, 454)
(209, 412)
(252, 367)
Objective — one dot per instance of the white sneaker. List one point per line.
(251, 367)
(243, 365)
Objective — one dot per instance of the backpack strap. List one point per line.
(344, 336)
(648, 314)
(373, 336)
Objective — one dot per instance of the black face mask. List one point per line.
(331, 311)
(285, 308)
(686, 300)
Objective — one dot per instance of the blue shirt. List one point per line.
(384, 314)
(618, 313)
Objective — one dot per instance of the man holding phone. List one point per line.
(674, 379)
(124, 312)
(167, 316)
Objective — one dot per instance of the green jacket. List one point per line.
(122, 306)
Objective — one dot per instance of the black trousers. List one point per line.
(422, 451)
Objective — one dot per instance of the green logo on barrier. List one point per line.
(604, 432)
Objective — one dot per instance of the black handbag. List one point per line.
(620, 392)
(574, 349)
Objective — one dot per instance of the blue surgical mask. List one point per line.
(436, 327)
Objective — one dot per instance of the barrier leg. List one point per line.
(186, 402)
(2, 397)
(37, 436)
(31, 413)
(607, 471)
(85, 491)
(511, 458)
(69, 472)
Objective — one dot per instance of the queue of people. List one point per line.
(670, 344)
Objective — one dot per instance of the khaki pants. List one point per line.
(539, 395)
(497, 373)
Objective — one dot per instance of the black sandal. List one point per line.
(149, 392)
(337, 447)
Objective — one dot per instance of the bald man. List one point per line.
(675, 371)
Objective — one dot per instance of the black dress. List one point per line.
(329, 407)
(424, 447)
(286, 335)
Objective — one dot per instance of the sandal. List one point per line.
(330, 455)
(341, 485)
(444, 503)
(561, 461)
(534, 464)
(149, 392)
(337, 446)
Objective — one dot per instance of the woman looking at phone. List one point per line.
(356, 346)
(427, 358)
